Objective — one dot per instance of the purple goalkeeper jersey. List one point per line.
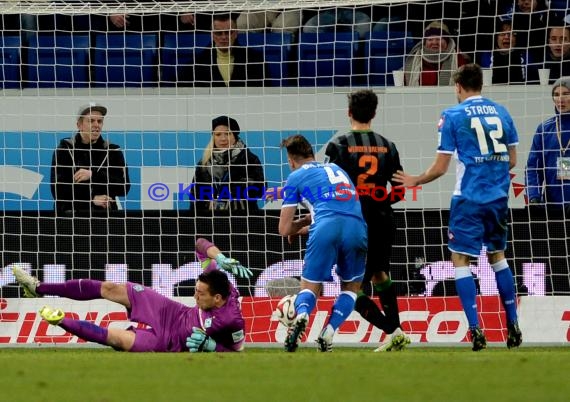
(171, 322)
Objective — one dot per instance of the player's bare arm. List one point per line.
(438, 168)
(289, 226)
(306, 222)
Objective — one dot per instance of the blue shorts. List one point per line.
(472, 226)
(339, 240)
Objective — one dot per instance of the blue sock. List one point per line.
(467, 292)
(343, 306)
(305, 302)
(506, 286)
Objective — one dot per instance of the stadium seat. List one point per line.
(276, 49)
(383, 53)
(10, 61)
(125, 60)
(58, 61)
(326, 59)
(178, 50)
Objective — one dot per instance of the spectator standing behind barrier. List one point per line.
(87, 172)
(548, 165)
(229, 177)
(555, 56)
(225, 63)
(434, 59)
(507, 62)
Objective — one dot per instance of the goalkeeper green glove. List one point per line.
(199, 341)
(233, 266)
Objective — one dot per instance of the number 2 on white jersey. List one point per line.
(336, 177)
(495, 135)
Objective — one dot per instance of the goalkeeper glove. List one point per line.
(200, 342)
(233, 266)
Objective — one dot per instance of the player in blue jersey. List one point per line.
(482, 137)
(214, 324)
(337, 235)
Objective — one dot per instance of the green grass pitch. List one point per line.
(416, 374)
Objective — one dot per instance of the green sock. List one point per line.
(389, 301)
(380, 287)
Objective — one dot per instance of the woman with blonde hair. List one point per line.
(229, 177)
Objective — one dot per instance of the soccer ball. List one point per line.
(285, 311)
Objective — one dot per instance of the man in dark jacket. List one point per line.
(87, 172)
(226, 63)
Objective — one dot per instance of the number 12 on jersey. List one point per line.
(495, 134)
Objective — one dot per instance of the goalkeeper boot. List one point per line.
(398, 341)
(52, 316)
(295, 332)
(514, 335)
(27, 281)
(324, 341)
(478, 339)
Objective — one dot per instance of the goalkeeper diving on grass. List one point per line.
(214, 324)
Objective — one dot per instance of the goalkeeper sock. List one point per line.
(76, 289)
(366, 307)
(389, 301)
(343, 306)
(85, 330)
(467, 292)
(305, 302)
(505, 284)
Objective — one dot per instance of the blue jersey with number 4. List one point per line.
(478, 132)
(324, 189)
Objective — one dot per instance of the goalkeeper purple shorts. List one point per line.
(166, 318)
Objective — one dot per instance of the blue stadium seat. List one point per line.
(58, 61)
(10, 61)
(125, 60)
(179, 50)
(276, 49)
(383, 53)
(326, 59)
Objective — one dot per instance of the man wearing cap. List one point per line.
(229, 177)
(433, 60)
(548, 165)
(87, 172)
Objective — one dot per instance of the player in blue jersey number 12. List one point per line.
(482, 137)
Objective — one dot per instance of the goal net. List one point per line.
(152, 66)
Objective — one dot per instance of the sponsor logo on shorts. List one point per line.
(238, 336)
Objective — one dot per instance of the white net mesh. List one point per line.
(160, 111)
